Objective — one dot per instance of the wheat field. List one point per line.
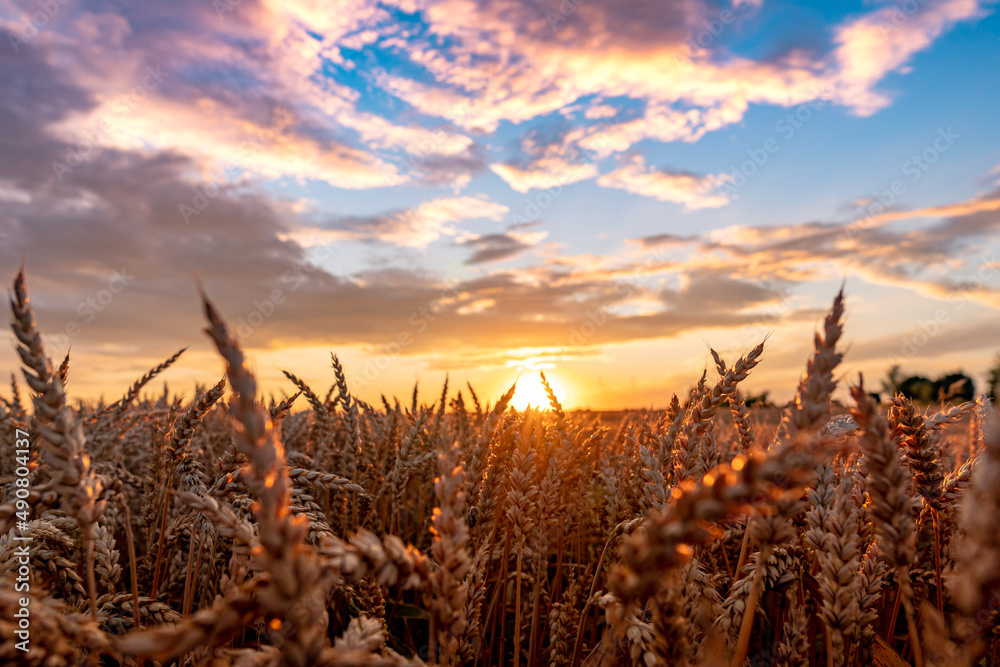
(233, 530)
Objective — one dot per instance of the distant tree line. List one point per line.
(955, 386)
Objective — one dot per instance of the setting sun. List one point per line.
(531, 391)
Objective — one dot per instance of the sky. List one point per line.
(600, 190)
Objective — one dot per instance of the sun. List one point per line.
(530, 391)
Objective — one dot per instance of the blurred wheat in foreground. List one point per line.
(236, 532)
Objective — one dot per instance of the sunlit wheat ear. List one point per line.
(323, 424)
(64, 450)
(833, 535)
(871, 575)
(688, 444)
(449, 591)
(281, 409)
(353, 451)
(58, 632)
(812, 398)
(122, 405)
(294, 587)
(889, 486)
(724, 492)
(521, 511)
(918, 449)
(977, 588)
(180, 438)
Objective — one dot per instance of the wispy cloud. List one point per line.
(416, 227)
(496, 247)
(694, 191)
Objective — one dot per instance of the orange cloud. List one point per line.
(691, 190)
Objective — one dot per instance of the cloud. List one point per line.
(543, 174)
(664, 240)
(715, 291)
(884, 40)
(602, 111)
(416, 227)
(529, 63)
(229, 74)
(882, 253)
(694, 191)
(497, 247)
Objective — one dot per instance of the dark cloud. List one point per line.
(415, 227)
(663, 240)
(35, 95)
(436, 169)
(494, 247)
(716, 291)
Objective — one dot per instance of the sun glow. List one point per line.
(530, 391)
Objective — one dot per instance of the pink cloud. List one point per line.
(694, 191)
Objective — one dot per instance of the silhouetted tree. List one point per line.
(892, 381)
(958, 386)
(918, 388)
(951, 386)
(760, 400)
(993, 378)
